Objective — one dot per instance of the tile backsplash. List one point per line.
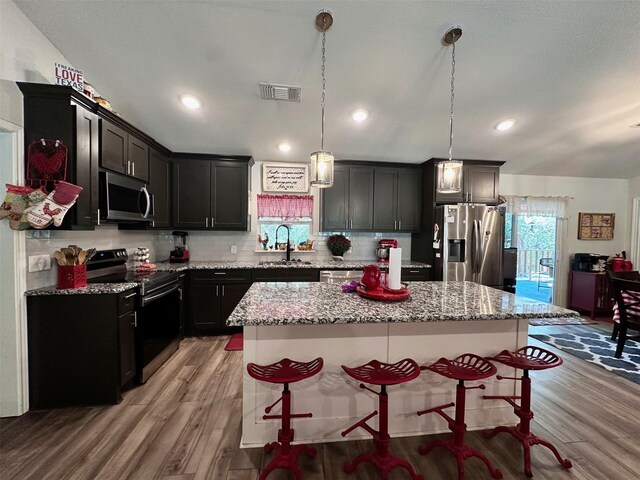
(214, 246)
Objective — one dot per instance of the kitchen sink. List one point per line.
(284, 262)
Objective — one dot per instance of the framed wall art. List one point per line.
(285, 177)
(596, 226)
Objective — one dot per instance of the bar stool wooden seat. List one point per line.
(383, 375)
(526, 358)
(465, 367)
(285, 371)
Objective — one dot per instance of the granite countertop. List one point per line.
(91, 289)
(323, 265)
(107, 288)
(267, 304)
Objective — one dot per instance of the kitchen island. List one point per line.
(440, 319)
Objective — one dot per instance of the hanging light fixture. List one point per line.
(450, 171)
(321, 161)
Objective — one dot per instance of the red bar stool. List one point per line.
(465, 367)
(383, 375)
(285, 371)
(526, 358)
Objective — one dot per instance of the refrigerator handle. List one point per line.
(474, 249)
(480, 246)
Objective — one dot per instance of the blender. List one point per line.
(382, 252)
(180, 252)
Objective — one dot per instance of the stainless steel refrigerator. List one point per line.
(468, 243)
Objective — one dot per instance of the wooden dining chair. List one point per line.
(627, 296)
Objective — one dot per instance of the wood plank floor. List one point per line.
(184, 424)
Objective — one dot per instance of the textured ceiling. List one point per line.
(567, 71)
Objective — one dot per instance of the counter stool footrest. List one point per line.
(362, 423)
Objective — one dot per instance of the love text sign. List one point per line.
(69, 76)
(285, 177)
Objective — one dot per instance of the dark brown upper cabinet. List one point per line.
(348, 205)
(60, 113)
(160, 188)
(122, 152)
(370, 197)
(480, 183)
(210, 192)
(397, 199)
(93, 136)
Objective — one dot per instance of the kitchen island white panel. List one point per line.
(308, 320)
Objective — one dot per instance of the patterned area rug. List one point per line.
(598, 348)
(540, 322)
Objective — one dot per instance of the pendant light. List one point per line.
(321, 161)
(449, 178)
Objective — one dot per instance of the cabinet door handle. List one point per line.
(128, 167)
(414, 271)
(212, 222)
(219, 273)
(395, 224)
(351, 223)
(217, 290)
(135, 319)
(133, 168)
(98, 217)
(180, 294)
(223, 290)
(206, 222)
(399, 224)
(131, 295)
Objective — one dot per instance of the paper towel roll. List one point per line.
(395, 266)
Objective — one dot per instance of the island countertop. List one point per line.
(271, 304)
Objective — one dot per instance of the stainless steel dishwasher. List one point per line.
(340, 276)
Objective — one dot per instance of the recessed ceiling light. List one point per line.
(505, 125)
(191, 102)
(284, 147)
(360, 115)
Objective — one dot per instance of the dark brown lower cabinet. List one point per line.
(211, 297)
(286, 275)
(416, 274)
(81, 348)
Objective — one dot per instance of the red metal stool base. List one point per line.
(382, 374)
(286, 457)
(526, 358)
(285, 371)
(464, 367)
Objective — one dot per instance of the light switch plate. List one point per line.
(38, 263)
(234, 249)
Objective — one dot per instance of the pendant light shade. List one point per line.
(449, 176)
(321, 161)
(322, 169)
(449, 179)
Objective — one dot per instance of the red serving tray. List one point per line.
(383, 295)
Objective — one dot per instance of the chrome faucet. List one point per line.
(288, 249)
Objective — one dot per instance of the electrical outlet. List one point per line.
(38, 263)
(234, 249)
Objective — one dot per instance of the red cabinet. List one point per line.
(591, 292)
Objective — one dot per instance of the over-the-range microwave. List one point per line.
(124, 199)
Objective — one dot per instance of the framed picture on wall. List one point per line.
(285, 177)
(596, 226)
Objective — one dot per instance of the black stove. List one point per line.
(158, 322)
(109, 266)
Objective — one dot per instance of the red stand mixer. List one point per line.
(382, 252)
(180, 252)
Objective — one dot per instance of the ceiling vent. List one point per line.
(269, 91)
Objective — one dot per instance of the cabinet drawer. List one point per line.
(127, 301)
(221, 276)
(416, 274)
(286, 275)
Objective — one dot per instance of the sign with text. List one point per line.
(69, 76)
(285, 177)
